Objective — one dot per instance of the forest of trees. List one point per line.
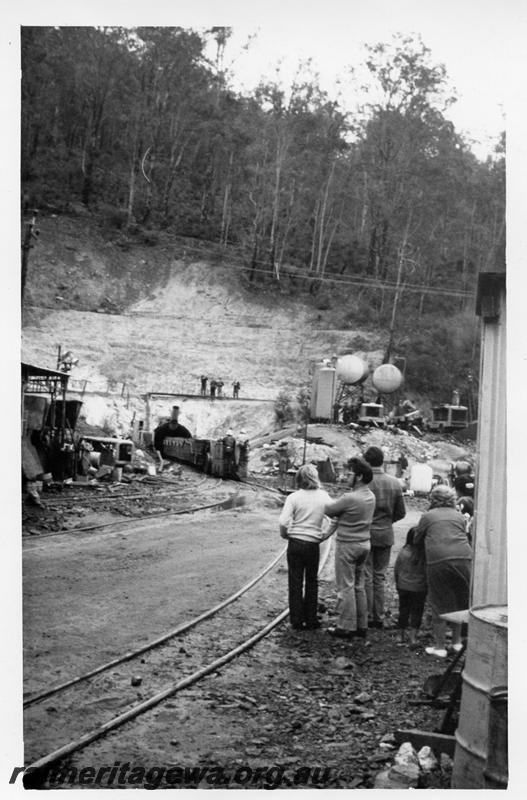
(141, 126)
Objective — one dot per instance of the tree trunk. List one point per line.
(397, 289)
(464, 269)
(148, 199)
(314, 237)
(328, 245)
(372, 251)
(287, 226)
(226, 198)
(323, 210)
(131, 195)
(254, 259)
(276, 203)
(87, 184)
(136, 152)
(175, 161)
(225, 217)
(383, 247)
(364, 213)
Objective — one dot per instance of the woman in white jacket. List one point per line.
(301, 523)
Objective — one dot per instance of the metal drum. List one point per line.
(481, 744)
(496, 772)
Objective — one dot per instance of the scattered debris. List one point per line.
(363, 698)
(412, 770)
(427, 759)
(331, 446)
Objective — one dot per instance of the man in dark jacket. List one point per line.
(389, 508)
(171, 428)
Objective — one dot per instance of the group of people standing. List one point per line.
(216, 387)
(434, 564)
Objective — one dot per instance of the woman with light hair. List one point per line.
(301, 523)
(448, 555)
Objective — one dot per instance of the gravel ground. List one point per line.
(292, 702)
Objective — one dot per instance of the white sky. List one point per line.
(480, 42)
(476, 43)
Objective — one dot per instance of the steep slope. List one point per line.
(191, 317)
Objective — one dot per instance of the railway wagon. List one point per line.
(210, 456)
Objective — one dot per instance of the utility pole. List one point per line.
(31, 233)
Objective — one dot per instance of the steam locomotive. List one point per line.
(223, 458)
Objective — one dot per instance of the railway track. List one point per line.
(63, 719)
(180, 629)
(227, 501)
(123, 491)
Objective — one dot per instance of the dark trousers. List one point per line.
(411, 607)
(302, 562)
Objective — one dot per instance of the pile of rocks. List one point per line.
(265, 460)
(416, 770)
(339, 443)
(395, 442)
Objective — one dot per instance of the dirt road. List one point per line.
(288, 701)
(89, 597)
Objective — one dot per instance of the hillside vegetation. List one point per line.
(194, 316)
(155, 317)
(185, 228)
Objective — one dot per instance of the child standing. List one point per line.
(466, 506)
(410, 581)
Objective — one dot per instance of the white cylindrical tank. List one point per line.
(323, 393)
(387, 378)
(351, 369)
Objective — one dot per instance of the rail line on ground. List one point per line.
(76, 498)
(155, 642)
(224, 502)
(39, 766)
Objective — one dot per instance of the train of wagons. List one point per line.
(210, 456)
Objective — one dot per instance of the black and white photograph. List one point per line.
(258, 370)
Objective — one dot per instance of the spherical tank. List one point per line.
(387, 378)
(351, 369)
